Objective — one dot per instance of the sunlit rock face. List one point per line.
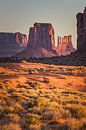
(65, 46)
(42, 34)
(40, 41)
(21, 39)
(12, 43)
(81, 32)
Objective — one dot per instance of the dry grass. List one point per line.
(44, 99)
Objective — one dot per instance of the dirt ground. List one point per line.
(64, 77)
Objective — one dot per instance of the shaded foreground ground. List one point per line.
(36, 96)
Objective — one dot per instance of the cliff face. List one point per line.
(65, 46)
(12, 43)
(40, 41)
(42, 34)
(81, 32)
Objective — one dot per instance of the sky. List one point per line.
(20, 15)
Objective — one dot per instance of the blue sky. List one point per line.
(20, 15)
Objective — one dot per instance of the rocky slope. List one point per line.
(12, 43)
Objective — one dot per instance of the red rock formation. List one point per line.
(40, 43)
(42, 34)
(12, 43)
(81, 32)
(59, 40)
(65, 46)
(21, 39)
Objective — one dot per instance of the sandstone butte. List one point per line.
(41, 43)
(43, 37)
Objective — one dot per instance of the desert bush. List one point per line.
(32, 71)
(46, 80)
(17, 107)
(77, 111)
(40, 102)
(14, 118)
(45, 127)
(35, 110)
(83, 127)
(2, 114)
(11, 126)
(8, 109)
(40, 69)
(53, 122)
(69, 73)
(34, 127)
(65, 113)
(32, 119)
(33, 84)
(75, 124)
(16, 95)
(3, 87)
(49, 115)
(29, 104)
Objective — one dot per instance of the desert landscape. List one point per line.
(42, 76)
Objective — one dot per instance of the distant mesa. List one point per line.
(81, 32)
(12, 43)
(41, 43)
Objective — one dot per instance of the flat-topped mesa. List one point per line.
(81, 32)
(65, 46)
(12, 43)
(13, 38)
(42, 34)
(40, 41)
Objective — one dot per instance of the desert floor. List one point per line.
(35, 96)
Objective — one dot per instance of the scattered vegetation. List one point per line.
(38, 103)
